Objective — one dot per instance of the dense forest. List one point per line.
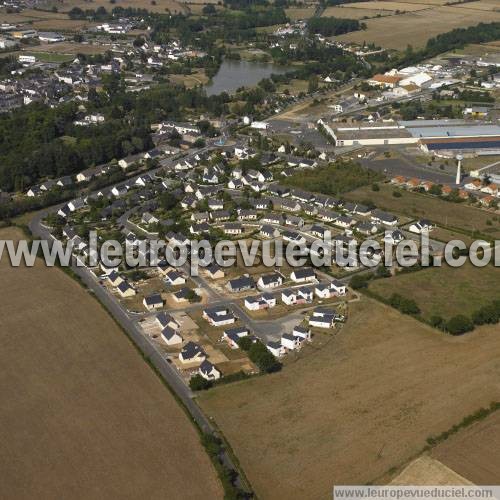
(333, 26)
(50, 145)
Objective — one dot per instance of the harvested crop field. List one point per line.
(415, 28)
(394, 6)
(474, 452)
(68, 47)
(351, 13)
(363, 404)
(82, 414)
(300, 13)
(490, 5)
(160, 6)
(426, 470)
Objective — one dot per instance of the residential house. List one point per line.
(241, 284)
(288, 341)
(269, 231)
(130, 160)
(215, 204)
(208, 371)
(399, 180)
(192, 353)
(232, 228)
(76, 204)
(385, 218)
(276, 349)
(303, 274)
(174, 278)
(200, 217)
(247, 214)
(125, 290)
(143, 180)
(366, 227)
(302, 333)
(487, 201)
(182, 295)
(338, 287)
(220, 215)
(149, 218)
(235, 184)
(291, 220)
(421, 226)
(215, 272)
(344, 221)
(219, 316)
(327, 215)
(233, 335)
(286, 205)
(264, 301)
(393, 237)
(198, 229)
(319, 231)
(271, 218)
(490, 189)
(115, 279)
(292, 236)
(153, 302)
(272, 280)
(473, 185)
(171, 337)
(164, 319)
(322, 318)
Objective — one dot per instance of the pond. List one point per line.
(234, 74)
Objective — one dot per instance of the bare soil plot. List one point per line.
(474, 452)
(361, 405)
(415, 28)
(416, 205)
(82, 415)
(444, 291)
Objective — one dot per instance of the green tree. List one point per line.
(198, 383)
(459, 325)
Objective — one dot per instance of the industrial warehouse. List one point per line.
(439, 137)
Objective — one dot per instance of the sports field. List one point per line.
(359, 408)
(82, 414)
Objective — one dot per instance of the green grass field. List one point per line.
(50, 57)
(444, 291)
(415, 205)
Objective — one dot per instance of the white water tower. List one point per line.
(459, 169)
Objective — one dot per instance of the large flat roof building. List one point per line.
(431, 135)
